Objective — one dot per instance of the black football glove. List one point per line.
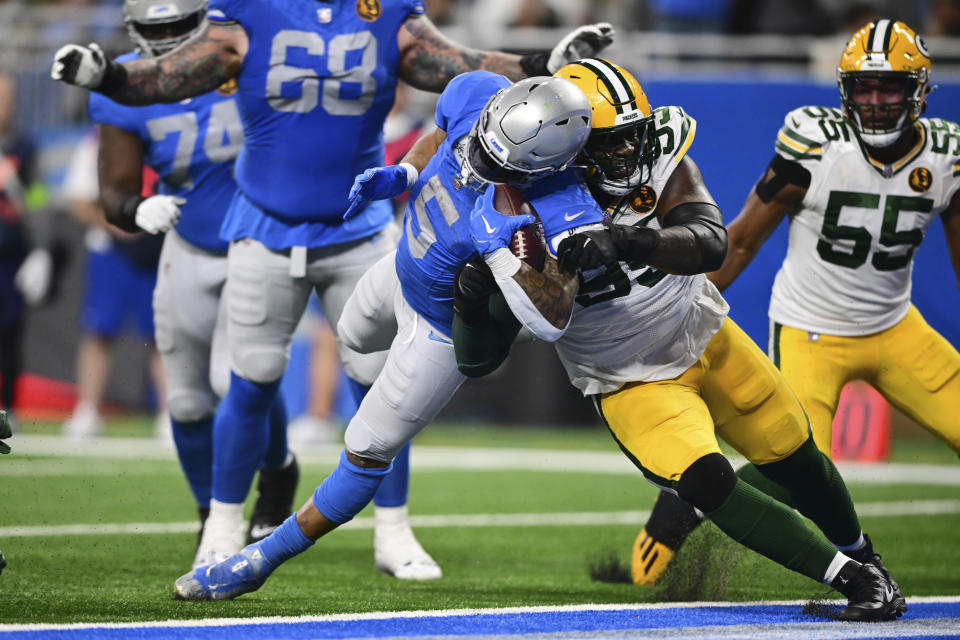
(5, 432)
(595, 248)
(471, 290)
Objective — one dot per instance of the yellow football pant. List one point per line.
(910, 364)
(734, 390)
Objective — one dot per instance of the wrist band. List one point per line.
(502, 263)
(412, 174)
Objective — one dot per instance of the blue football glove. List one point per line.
(490, 229)
(378, 183)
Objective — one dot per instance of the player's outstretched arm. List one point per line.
(201, 64)
(951, 228)
(691, 239)
(429, 60)
(779, 192)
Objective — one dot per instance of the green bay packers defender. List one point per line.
(646, 335)
(860, 185)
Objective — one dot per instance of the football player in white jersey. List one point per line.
(860, 186)
(647, 336)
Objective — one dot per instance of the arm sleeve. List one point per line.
(482, 347)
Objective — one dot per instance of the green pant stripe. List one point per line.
(649, 475)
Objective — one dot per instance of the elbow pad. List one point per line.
(705, 221)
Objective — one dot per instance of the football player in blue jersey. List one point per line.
(487, 132)
(315, 82)
(192, 146)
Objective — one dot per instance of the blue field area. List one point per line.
(929, 618)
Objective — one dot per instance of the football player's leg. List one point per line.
(367, 325)
(420, 376)
(185, 307)
(277, 480)
(672, 441)
(816, 367)
(757, 412)
(264, 304)
(919, 373)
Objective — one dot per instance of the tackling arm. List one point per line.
(779, 192)
(951, 228)
(201, 64)
(429, 60)
(120, 171)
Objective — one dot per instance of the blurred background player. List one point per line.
(860, 186)
(120, 273)
(16, 173)
(406, 301)
(307, 72)
(192, 146)
(646, 336)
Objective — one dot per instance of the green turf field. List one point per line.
(68, 576)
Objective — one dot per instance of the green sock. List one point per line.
(759, 522)
(751, 474)
(816, 490)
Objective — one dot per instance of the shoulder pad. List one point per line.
(807, 130)
(675, 132)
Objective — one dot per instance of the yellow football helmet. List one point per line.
(884, 78)
(623, 140)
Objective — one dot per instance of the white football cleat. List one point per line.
(396, 550)
(83, 424)
(224, 534)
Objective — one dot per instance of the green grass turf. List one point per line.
(129, 577)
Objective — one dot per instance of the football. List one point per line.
(528, 243)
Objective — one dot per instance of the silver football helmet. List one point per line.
(159, 26)
(527, 131)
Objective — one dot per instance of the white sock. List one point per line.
(856, 546)
(226, 510)
(390, 516)
(835, 565)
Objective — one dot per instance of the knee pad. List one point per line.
(258, 364)
(707, 482)
(362, 440)
(190, 406)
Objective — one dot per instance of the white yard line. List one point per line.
(568, 519)
(423, 458)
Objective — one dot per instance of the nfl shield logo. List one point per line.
(325, 15)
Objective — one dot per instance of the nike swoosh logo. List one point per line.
(888, 592)
(573, 216)
(261, 530)
(487, 225)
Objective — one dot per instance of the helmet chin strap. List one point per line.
(617, 187)
(881, 139)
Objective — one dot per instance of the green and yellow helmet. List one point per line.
(884, 78)
(623, 140)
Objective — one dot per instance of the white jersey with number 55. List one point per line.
(850, 256)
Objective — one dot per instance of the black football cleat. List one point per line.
(275, 491)
(870, 596)
(866, 555)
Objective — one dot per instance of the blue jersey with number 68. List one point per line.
(315, 87)
(436, 238)
(191, 145)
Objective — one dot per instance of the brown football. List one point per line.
(528, 243)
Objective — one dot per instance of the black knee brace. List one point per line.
(707, 482)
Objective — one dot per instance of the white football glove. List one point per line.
(158, 214)
(81, 66)
(583, 42)
(34, 276)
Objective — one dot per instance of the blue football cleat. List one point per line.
(235, 576)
